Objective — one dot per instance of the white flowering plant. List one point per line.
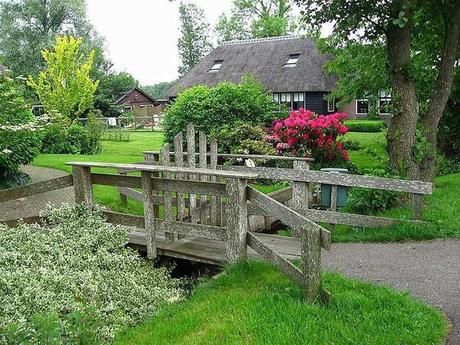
(73, 280)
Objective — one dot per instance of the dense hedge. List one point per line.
(212, 108)
(365, 126)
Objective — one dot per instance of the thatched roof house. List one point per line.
(291, 67)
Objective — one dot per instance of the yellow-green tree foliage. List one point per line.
(65, 85)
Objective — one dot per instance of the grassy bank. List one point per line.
(255, 304)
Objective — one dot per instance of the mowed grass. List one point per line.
(113, 152)
(252, 303)
(372, 153)
(440, 211)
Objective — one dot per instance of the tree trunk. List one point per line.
(440, 95)
(401, 133)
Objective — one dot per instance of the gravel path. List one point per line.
(429, 270)
(32, 205)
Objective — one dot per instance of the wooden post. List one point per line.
(123, 197)
(191, 164)
(333, 203)
(82, 185)
(166, 161)
(179, 160)
(417, 206)
(203, 158)
(149, 214)
(311, 262)
(300, 193)
(215, 217)
(237, 219)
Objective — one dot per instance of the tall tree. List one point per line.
(158, 91)
(194, 42)
(421, 44)
(65, 85)
(29, 26)
(255, 19)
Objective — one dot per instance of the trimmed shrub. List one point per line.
(216, 107)
(369, 126)
(73, 280)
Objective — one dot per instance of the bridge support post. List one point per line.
(149, 213)
(237, 219)
(82, 185)
(311, 262)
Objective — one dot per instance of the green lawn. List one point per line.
(372, 154)
(254, 304)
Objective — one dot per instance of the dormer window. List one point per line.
(292, 62)
(216, 67)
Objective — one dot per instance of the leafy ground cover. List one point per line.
(252, 303)
(72, 281)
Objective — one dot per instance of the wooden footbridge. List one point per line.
(201, 212)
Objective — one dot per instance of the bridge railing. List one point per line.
(160, 184)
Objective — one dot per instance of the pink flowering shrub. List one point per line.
(306, 134)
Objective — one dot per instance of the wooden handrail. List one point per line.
(167, 169)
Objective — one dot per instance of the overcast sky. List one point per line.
(141, 35)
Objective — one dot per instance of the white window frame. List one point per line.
(292, 61)
(129, 107)
(362, 100)
(332, 102)
(36, 106)
(216, 66)
(386, 96)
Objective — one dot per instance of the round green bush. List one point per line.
(215, 107)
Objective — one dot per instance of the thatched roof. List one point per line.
(264, 59)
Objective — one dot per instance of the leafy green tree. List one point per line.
(65, 85)
(28, 27)
(158, 91)
(255, 19)
(194, 42)
(417, 43)
(111, 87)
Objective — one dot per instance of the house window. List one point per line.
(384, 102)
(216, 67)
(37, 110)
(127, 109)
(276, 98)
(298, 101)
(285, 98)
(292, 62)
(362, 106)
(331, 105)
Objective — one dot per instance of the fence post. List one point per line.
(417, 206)
(123, 197)
(311, 261)
(149, 214)
(82, 185)
(168, 207)
(300, 192)
(237, 219)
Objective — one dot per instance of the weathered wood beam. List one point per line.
(36, 188)
(82, 185)
(347, 180)
(149, 214)
(275, 259)
(287, 215)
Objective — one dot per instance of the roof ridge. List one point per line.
(265, 39)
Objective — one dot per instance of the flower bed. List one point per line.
(73, 280)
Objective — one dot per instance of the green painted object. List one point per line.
(326, 190)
